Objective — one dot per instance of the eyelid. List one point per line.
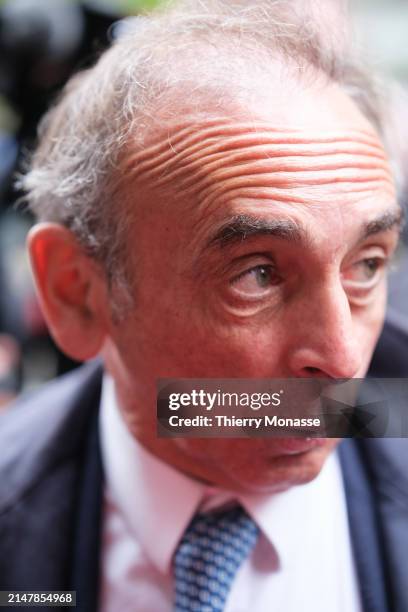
(363, 289)
(388, 242)
(246, 263)
(373, 251)
(252, 268)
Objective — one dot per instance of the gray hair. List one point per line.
(75, 172)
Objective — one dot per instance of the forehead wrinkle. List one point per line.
(280, 170)
(282, 160)
(193, 130)
(277, 189)
(157, 157)
(212, 156)
(169, 161)
(184, 141)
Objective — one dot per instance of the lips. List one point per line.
(295, 446)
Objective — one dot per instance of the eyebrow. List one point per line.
(385, 222)
(241, 227)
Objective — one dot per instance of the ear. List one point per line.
(72, 290)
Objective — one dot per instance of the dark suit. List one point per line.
(51, 491)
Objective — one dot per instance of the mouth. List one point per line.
(296, 446)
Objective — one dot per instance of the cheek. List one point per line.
(368, 326)
(372, 320)
(227, 351)
(192, 344)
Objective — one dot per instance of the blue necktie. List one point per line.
(208, 557)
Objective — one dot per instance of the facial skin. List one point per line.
(259, 246)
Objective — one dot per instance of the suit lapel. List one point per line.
(365, 529)
(36, 535)
(43, 440)
(388, 471)
(85, 566)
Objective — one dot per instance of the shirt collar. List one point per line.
(158, 502)
(294, 517)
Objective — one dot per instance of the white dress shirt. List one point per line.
(302, 561)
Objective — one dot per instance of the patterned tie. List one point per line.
(208, 557)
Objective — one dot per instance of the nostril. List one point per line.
(311, 370)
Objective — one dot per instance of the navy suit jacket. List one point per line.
(51, 492)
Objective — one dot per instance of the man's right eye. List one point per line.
(256, 282)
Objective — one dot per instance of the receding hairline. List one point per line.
(178, 115)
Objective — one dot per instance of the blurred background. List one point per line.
(42, 42)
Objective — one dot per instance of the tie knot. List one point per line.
(208, 557)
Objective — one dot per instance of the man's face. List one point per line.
(259, 248)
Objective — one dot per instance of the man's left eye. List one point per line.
(365, 272)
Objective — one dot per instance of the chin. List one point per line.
(282, 472)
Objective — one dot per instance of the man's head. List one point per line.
(224, 208)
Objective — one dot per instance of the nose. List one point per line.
(326, 343)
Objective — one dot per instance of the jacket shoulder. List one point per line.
(43, 428)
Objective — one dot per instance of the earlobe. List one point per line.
(71, 288)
